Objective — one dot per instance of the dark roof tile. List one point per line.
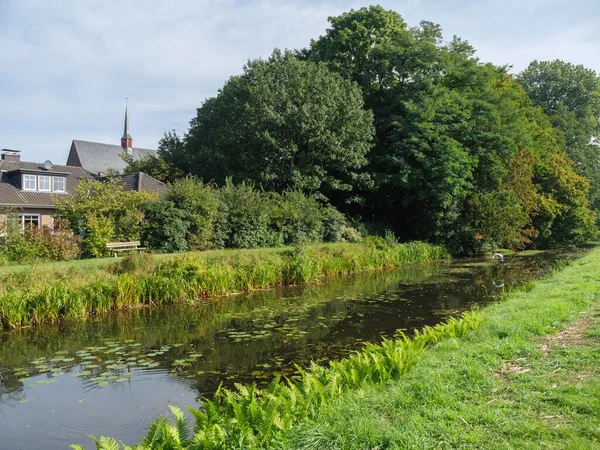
(96, 157)
(12, 195)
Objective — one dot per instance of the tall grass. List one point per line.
(443, 385)
(31, 297)
(248, 417)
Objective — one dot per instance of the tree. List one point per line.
(283, 124)
(570, 95)
(156, 165)
(459, 145)
(165, 226)
(101, 211)
(200, 201)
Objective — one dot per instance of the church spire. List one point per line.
(126, 140)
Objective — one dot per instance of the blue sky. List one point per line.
(66, 66)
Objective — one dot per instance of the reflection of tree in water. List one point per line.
(304, 323)
(11, 389)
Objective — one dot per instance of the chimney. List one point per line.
(10, 155)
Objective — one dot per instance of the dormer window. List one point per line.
(29, 183)
(58, 184)
(44, 183)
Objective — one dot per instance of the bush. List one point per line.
(297, 217)
(201, 202)
(334, 224)
(244, 218)
(165, 226)
(98, 232)
(58, 244)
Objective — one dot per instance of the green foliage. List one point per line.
(297, 217)
(102, 211)
(452, 132)
(566, 219)
(570, 95)
(99, 231)
(40, 244)
(243, 218)
(283, 124)
(137, 281)
(165, 227)
(200, 201)
(335, 227)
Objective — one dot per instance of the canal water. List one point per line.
(112, 375)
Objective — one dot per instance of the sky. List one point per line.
(66, 66)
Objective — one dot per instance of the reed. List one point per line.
(421, 392)
(35, 296)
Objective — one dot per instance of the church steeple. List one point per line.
(126, 140)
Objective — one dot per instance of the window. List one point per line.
(29, 221)
(44, 183)
(29, 182)
(58, 184)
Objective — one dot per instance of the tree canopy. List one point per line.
(404, 130)
(570, 95)
(282, 124)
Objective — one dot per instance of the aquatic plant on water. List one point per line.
(248, 417)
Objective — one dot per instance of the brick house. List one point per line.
(27, 189)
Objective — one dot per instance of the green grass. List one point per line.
(496, 388)
(74, 291)
(491, 379)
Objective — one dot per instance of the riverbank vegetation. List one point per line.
(34, 296)
(508, 374)
(400, 128)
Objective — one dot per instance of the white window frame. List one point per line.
(22, 219)
(64, 184)
(29, 177)
(46, 178)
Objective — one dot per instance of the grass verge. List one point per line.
(76, 291)
(505, 377)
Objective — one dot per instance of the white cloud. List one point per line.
(67, 65)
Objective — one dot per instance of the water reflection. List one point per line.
(113, 374)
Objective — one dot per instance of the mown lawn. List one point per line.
(529, 378)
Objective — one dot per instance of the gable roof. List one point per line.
(139, 181)
(96, 157)
(11, 194)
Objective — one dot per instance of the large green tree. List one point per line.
(570, 95)
(282, 124)
(451, 133)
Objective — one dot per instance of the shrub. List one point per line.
(243, 219)
(58, 244)
(201, 202)
(165, 226)
(98, 232)
(334, 225)
(297, 217)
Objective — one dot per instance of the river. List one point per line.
(113, 374)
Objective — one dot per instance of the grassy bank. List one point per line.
(35, 296)
(504, 377)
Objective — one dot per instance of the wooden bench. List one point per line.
(116, 247)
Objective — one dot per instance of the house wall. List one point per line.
(44, 213)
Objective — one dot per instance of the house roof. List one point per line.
(139, 181)
(96, 157)
(11, 194)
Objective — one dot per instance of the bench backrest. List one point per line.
(122, 244)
